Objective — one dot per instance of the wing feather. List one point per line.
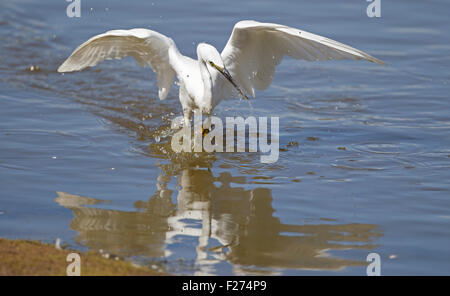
(255, 49)
(145, 46)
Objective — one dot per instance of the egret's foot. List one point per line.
(205, 131)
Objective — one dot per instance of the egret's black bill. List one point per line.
(227, 75)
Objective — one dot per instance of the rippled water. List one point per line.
(364, 150)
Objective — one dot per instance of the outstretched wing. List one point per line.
(255, 49)
(146, 46)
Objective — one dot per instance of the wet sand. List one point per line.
(33, 258)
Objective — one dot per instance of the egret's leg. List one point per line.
(185, 103)
(206, 127)
(187, 117)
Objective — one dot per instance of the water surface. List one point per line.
(364, 159)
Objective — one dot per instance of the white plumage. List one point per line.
(248, 60)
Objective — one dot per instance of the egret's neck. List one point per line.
(206, 103)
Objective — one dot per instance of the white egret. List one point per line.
(248, 60)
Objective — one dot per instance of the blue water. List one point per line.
(365, 149)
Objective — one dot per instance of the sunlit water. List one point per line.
(364, 160)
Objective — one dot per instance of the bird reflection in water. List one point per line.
(229, 223)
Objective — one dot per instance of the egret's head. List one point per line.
(209, 55)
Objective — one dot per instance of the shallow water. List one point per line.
(85, 157)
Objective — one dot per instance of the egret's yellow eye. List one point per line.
(211, 63)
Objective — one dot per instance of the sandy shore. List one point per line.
(21, 257)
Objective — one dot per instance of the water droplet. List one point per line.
(33, 68)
